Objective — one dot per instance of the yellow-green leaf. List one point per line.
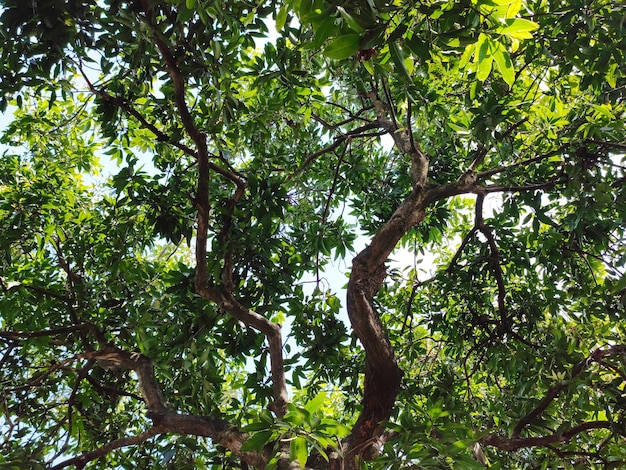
(518, 28)
(514, 8)
(314, 403)
(281, 18)
(484, 68)
(298, 450)
(504, 64)
(467, 55)
(483, 57)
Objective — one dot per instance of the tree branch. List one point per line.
(164, 419)
(82, 327)
(483, 175)
(382, 374)
(553, 392)
(271, 330)
(512, 444)
(359, 131)
(611, 145)
(481, 152)
(403, 140)
(223, 299)
(80, 461)
(494, 261)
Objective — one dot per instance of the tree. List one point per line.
(162, 317)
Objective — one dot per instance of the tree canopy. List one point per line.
(179, 178)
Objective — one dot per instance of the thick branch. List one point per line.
(199, 139)
(382, 374)
(223, 299)
(164, 419)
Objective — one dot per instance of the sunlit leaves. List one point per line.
(518, 28)
(487, 310)
(485, 52)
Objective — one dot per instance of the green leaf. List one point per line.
(484, 68)
(503, 61)
(190, 4)
(483, 58)
(256, 426)
(281, 18)
(323, 31)
(342, 47)
(316, 402)
(350, 20)
(619, 285)
(398, 60)
(518, 28)
(298, 450)
(467, 55)
(257, 442)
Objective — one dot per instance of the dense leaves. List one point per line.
(184, 184)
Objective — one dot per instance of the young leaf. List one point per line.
(314, 404)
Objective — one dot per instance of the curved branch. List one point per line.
(358, 132)
(80, 461)
(382, 373)
(553, 392)
(483, 175)
(163, 418)
(271, 330)
(495, 261)
(223, 299)
(512, 444)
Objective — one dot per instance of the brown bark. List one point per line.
(165, 420)
(382, 373)
(512, 444)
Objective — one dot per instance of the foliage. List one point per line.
(178, 183)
